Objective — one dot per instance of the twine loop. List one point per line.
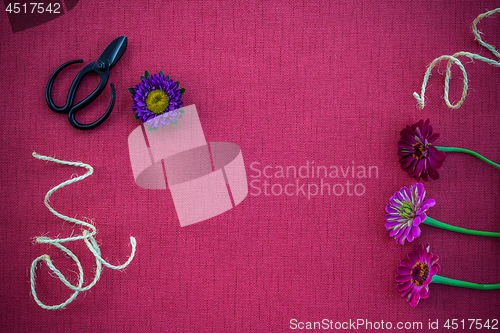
(88, 233)
(453, 59)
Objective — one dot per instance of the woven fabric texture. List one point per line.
(291, 83)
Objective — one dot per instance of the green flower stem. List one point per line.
(467, 151)
(437, 224)
(464, 284)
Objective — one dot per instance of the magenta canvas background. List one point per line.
(289, 82)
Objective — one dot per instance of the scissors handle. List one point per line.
(72, 112)
(48, 97)
(97, 67)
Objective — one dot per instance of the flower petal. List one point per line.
(390, 225)
(403, 278)
(406, 263)
(419, 168)
(410, 234)
(404, 286)
(429, 203)
(433, 137)
(413, 298)
(407, 161)
(415, 231)
(424, 292)
(403, 270)
(433, 173)
(401, 233)
(389, 209)
(413, 257)
(417, 220)
(435, 269)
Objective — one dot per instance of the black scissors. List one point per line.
(106, 61)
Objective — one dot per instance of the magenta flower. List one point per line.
(415, 274)
(405, 211)
(418, 156)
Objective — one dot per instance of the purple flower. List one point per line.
(156, 96)
(405, 211)
(417, 154)
(415, 274)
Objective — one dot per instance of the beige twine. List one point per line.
(88, 237)
(453, 59)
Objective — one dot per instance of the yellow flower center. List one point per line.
(419, 273)
(419, 150)
(157, 101)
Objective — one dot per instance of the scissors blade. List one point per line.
(114, 51)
